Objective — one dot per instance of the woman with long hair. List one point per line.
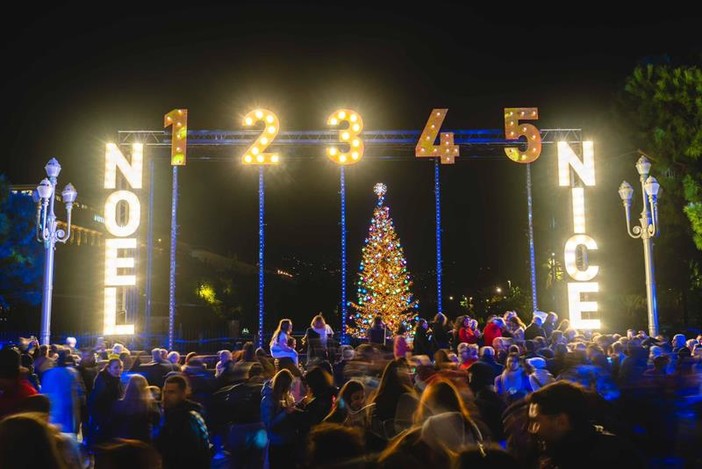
(350, 406)
(278, 413)
(136, 414)
(282, 340)
(394, 401)
(317, 339)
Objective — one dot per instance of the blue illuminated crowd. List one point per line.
(454, 394)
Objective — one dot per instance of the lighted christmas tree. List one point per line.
(383, 280)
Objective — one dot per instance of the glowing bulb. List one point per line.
(255, 150)
(342, 115)
(333, 121)
(271, 129)
(269, 119)
(332, 151)
(356, 142)
(259, 114)
(264, 140)
(345, 136)
(354, 155)
(353, 117)
(247, 159)
(275, 158)
(342, 158)
(259, 158)
(355, 127)
(248, 121)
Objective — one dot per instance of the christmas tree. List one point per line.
(383, 280)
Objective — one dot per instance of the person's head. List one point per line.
(281, 384)
(114, 367)
(377, 321)
(175, 391)
(71, 342)
(224, 356)
(487, 352)
(119, 453)
(537, 320)
(173, 357)
(352, 395)
(552, 317)
(556, 410)
(285, 325)
(678, 341)
(440, 318)
(334, 445)
(401, 329)
(466, 321)
(318, 322)
(486, 456)
(438, 397)
(117, 348)
(513, 362)
(156, 354)
(190, 356)
(318, 380)
(137, 389)
(27, 440)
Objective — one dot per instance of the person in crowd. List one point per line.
(350, 407)
(318, 401)
(136, 415)
(534, 329)
(467, 355)
(174, 357)
(491, 406)
(441, 333)
(70, 449)
(487, 355)
(28, 441)
(106, 390)
(183, 439)
(156, 370)
(422, 340)
(224, 372)
(512, 323)
(332, 445)
(493, 329)
(394, 401)
(280, 417)
(64, 387)
(377, 333)
(469, 332)
(282, 342)
(123, 453)
(71, 345)
(559, 419)
(550, 324)
(539, 376)
(14, 387)
(400, 348)
(318, 341)
(513, 383)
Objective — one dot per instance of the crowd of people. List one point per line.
(435, 392)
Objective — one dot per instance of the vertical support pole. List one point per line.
(344, 310)
(532, 255)
(439, 261)
(172, 272)
(260, 255)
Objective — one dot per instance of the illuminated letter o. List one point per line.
(134, 213)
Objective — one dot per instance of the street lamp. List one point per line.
(647, 229)
(49, 233)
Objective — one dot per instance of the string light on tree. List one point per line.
(383, 280)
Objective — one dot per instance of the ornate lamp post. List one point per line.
(647, 229)
(49, 233)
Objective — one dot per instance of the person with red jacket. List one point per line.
(493, 329)
(469, 332)
(14, 386)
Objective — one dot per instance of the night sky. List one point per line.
(74, 76)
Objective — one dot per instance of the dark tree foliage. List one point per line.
(21, 259)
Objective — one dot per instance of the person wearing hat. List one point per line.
(14, 387)
(539, 375)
